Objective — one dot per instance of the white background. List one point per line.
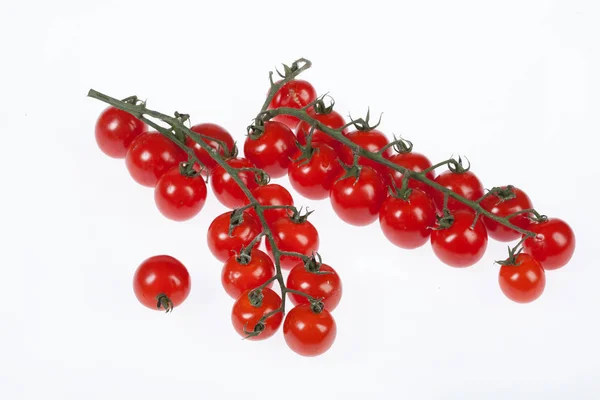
(513, 85)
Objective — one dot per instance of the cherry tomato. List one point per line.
(294, 94)
(150, 156)
(272, 195)
(372, 140)
(245, 315)
(408, 223)
(554, 243)
(224, 187)
(238, 275)
(524, 282)
(415, 162)
(324, 284)
(502, 206)
(161, 282)
(115, 130)
(333, 120)
(465, 184)
(292, 236)
(179, 197)
(357, 200)
(274, 150)
(216, 132)
(308, 333)
(460, 245)
(221, 244)
(313, 178)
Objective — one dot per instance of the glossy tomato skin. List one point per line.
(294, 94)
(307, 333)
(150, 156)
(465, 184)
(221, 244)
(357, 200)
(297, 237)
(554, 243)
(116, 130)
(502, 208)
(460, 246)
(333, 120)
(524, 282)
(272, 195)
(214, 131)
(245, 314)
(413, 161)
(325, 285)
(408, 223)
(161, 275)
(314, 178)
(237, 277)
(224, 187)
(180, 197)
(273, 150)
(373, 140)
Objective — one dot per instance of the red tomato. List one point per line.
(324, 284)
(297, 237)
(333, 120)
(373, 141)
(308, 333)
(408, 223)
(313, 178)
(224, 187)
(161, 282)
(246, 315)
(179, 197)
(214, 131)
(221, 244)
(357, 200)
(524, 282)
(294, 94)
(554, 243)
(414, 162)
(272, 195)
(150, 156)
(502, 206)
(273, 150)
(115, 130)
(465, 184)
(460, 246)
(238, 277)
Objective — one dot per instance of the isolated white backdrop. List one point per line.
(513, 85)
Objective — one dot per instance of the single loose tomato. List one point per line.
(523, 282)
(373, 141)
(241, 273)
(223, 245)
(314, 177)
(218, 134)
(415, 162)
(294, 94)
(115, 131)
(272, 195)
(506, 202)
(248, 310)
(408, 223)
(225, 188)
(293, 236)
(333, 120)
(272, 150)
(309, 333)
(459, 245)
(150, 156)
(179, 197)
(161, 282)
(357, 200)
(554, 243)
(322, 283)
(465, 184)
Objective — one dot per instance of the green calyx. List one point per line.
(363, 124)
(457, 167)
